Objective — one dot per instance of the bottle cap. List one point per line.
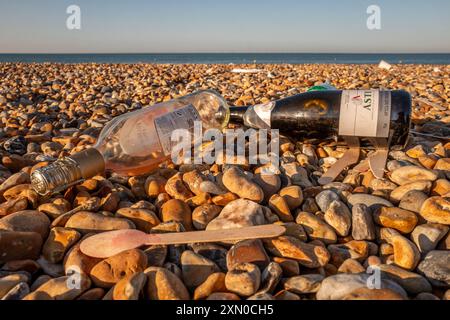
(68, 171)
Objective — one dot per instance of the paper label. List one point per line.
(264, 111)
(133, 137)
(365, 113)
(182, 118)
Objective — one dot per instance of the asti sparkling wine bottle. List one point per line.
(134, 143)
(324, 113)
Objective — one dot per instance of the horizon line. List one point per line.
(218, 52)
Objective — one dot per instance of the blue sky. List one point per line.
(30, 26)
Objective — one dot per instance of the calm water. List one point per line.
(227, 58)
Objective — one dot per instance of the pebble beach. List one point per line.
(336, 234)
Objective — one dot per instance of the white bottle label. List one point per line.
(264, 111)
(365, 113)
(182, 118)
(135, 137)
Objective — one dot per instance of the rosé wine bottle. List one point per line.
(134, 143)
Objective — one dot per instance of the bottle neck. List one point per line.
(237, 114)
(67, 171)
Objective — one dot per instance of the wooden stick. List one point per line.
(110, 243)
(257, 232)
(351, 156)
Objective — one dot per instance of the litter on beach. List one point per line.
(384, 65)
(246, 70)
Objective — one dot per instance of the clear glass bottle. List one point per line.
(134, 143)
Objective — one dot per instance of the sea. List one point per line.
(230, 58)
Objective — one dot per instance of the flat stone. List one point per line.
(427, 236)
(436, 267)
(294, 230)
(13, 205)
(214, 283)
(14, 180)
(61, 288)
(213, 252)
(363, 227)
(369, 200)
(9, 282)
(154, 185)
(251, 251)
(212, 188)
(156, 255)
(297, 174)
(373, 294)
(293, 196)
(413, 201)
(422, 185)
(285, 295)
(130, 288)
(78, 261)
(426, 296)
(39, 281)
(178, 211)
(308, 283)
(406, 254)
(92, 294)
(202, 215)
(436, 210)
(443, 165)
(381, 185)
(28, 221)
(55, 208)
(54, 270)
(279, 205)
(395, 218)
(270, 183)
(196, 268)
(308, 255)
(143, 219)
(354, 249)
(16, 245)
(270, 277)
(164, 285)
(412, 282)
(339, 286)
(339, 217)
(290, 267)
(263, 296)
(27, 265)
(316, 228)
(408, 174)
(244, 279)
(237, 182)
(224, 199)
(193, 179)
(111, 270)
(58, 242)
(18, 292)
(237, 214)
(177, 189)
(351, 266)
(85, 222)
(223, 296)
(325, 198)
(440, 187)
